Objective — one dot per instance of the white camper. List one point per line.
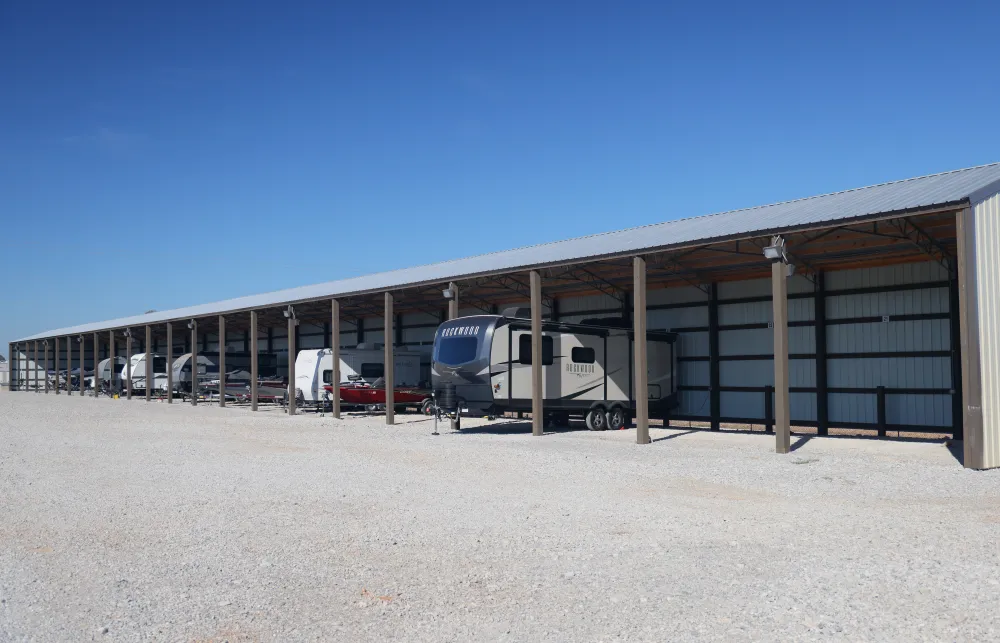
(207, 371)
(139, 372)
(483, 363)
(104, 370)
(314, 368)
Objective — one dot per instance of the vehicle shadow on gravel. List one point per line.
(515, 427)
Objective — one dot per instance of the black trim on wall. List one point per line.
(715, 400)
(822, 388)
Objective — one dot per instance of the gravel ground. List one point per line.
(134, 521)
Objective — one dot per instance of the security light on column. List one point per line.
(289, 313)
(776, 251)
(448, 293)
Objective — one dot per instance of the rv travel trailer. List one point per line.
(139, 372)
(105, 372)
(314, 369)
(237, 369)
(482, 364)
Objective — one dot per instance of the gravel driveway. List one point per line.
(133, 521)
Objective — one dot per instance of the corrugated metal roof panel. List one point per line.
(922, 192)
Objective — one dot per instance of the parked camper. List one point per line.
(314, 368)
(207, 370)
(159, 378)
(105, 372)
(482, 363)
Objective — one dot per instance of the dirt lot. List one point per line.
(133, 521)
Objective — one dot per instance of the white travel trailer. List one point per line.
(139, 372)
(482, 364)
(104, 370)
(314, 368)
(207, 371)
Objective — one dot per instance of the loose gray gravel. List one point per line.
(133, 521)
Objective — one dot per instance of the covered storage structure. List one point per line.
(875, 308)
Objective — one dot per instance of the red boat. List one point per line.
(371, 396)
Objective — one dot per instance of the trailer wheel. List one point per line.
(597, 419)
(427, 407)
(617, 418)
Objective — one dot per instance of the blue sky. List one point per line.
(155, 155)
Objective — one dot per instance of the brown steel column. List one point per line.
(69, 366)
(641, 376)
(150, 374)
(335, 350)
(537, 424)
(253, 360)
(82, 383)
(292, 353)
(55, 367)
(453, 302)
(782, 408)
(128, 363)
(45, 344)
(390, 362)
(193, 325)
(111, 362)
(973, 443)
(97, 362)
(222, 360)
(170, 363)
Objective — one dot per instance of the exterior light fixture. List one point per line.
(448, 293)
(776, 251)
(191, 325)
(289, 313)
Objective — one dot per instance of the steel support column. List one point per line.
(150, 373)
(292, 353)
(254, 374)
(46, 345)
(782, 410)
(954, 306)
(335, 350)
(111, 362)
(55, 367)
(128, 363)
(193, 326)
(97, 362)
(715, 392)
(222, 360)
(537, 423)
(390, 362)
(170, 363)
(453, 302)
(69, 366)
(822, 396)
(82, 383)
(641, 376)
(974, 456)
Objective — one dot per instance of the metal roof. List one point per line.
(936, 190)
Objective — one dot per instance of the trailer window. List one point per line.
(524, 349)
(328, 376)
(370, 370)
(457, 350)
(583, 355)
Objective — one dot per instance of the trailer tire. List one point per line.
(597, 419)
(618, 418)
(427, 407)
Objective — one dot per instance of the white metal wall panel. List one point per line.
(890, 372)
(417, 335)
(694, 403)
(693, 373)
(762, 312)
(688, 317)
(879, 337)
(692, 344)
(760, 341)
(801, 373)
(918, 410)
(907, 273)
(571, 305)
(682, 295)
(987, 226)
(903, 302)
(311, 342)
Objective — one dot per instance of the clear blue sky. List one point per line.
(155, 155)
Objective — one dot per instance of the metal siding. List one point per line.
(741, 404)
(694, 403)
(928, 191)
(987, 233)
(904, 302)
(801, 373)
(571, 305)
(694, 317)
(898, 275)
(891, 372)
(760, 341)
(692, 344)
(682, 295)
(848, 408)
(693, 373)
(879, 337)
